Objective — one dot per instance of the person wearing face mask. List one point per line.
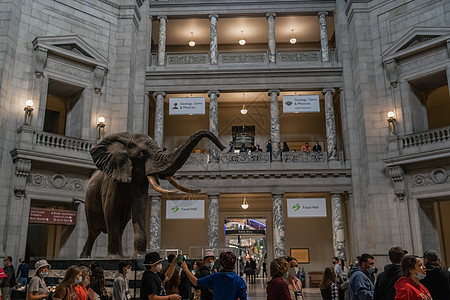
(438, 279)
(80, 288)
(360, 286)
(152, 284)
(66, 288)
(96, 288)
(121, 284)
(409, 286)
(278, 287)
(37, 289)
(295, 285)
(329, 289)
(206, 270)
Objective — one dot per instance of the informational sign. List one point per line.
(187, 106)
(301, 255)
(185, 209)
(301, 103)
(52, 216)
(306, 207)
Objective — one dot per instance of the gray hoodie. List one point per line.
(120, 288)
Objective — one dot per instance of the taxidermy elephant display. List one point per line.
(118, 192)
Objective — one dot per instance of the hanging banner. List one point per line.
(187, 106)
(301, 103)
(306, 207)
(52, 216)
(185, 209)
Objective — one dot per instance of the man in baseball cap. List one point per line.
(437, 279)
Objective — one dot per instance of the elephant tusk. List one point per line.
(180, 187)
(157, 188)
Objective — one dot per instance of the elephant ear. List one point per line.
(112, 158)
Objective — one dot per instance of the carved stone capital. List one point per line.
(22, 169)
(270, 92)
(268, 15)
(391, 71)
(398, 177)
(216, 16)
(99, 74)
(162, 17)
(322, 13)
(41, 59)
(325, 90)
(217, 93)
(156, 94)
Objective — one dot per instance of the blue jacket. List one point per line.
(360, 287)
(225, 286)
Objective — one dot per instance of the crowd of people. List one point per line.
(407, 277)
(285, 147)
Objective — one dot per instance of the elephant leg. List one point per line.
(87, 249)
(138, 210)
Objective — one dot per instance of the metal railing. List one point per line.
(245, 158)
(304, 157)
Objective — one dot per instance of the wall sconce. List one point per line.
(392, 122)
(101, 127)
(28, 109)
(242, 40)
(244, 109)
(192, 42)
(244, 204)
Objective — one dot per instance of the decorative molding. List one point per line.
(57, 181)
(436, 176)
(245, 158)
(312, 55)
(398, 177)
(304, 157)
(51, 64)
(187, 59)
(242, 58)
(22, 169)
(73, 63)
(99, 74)
(391, 70)
(41, 59)
(197, 159)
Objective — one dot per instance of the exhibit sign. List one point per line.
(52, 216)
(185, 209)
(187, 106)
(306, 207)
(301, 103)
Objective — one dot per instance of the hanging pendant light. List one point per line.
(192, 42)
(293, 40)
(244, 204)
(244, 109)
(242, 40)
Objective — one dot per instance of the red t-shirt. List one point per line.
(81, 292)
(406, 289)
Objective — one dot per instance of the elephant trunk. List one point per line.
(176, 159)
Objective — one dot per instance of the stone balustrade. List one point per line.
(254, 57)
(197, 158)
(424, 138)
(50, 140)
(304, 157)
(245, 158)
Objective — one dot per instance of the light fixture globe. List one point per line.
(390, 114)
(242, 40)
(192, 42)
(101, 120)
(29, 103)
(293, 40)
(244, 204)
(244, 110)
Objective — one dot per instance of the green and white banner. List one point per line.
(185, 209)
(306, 207)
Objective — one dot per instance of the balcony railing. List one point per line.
(424, 138)
(245, 158)
(238, 58)
(197, 159)
(304, 157)
(50, 140)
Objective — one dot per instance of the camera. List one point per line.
(180, 259)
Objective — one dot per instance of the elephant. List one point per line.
(118, 191)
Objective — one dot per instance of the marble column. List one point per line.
(278, 226)
(162, 40)
(155, 224)
(213, 221)
(323, 35)
(330, 124)
(159, 117)
(275, 125)
(272, 44)
(213, 52)
(338, 226)
(213, 124)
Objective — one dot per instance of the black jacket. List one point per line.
(384, 287)
(437, 282)
(206, 293)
